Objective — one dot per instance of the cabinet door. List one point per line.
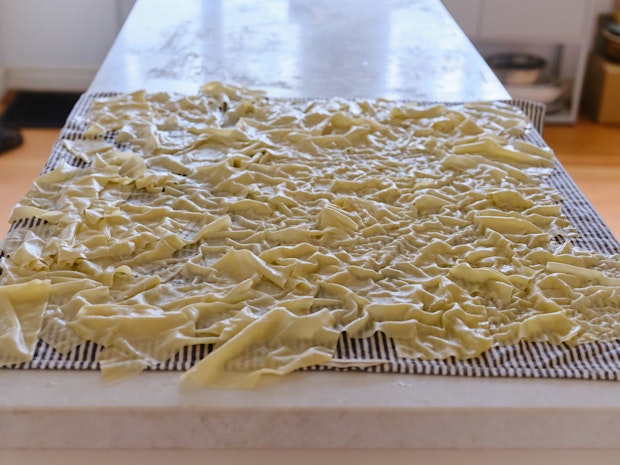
(534, 19)
(466, 13)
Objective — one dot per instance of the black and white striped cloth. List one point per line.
(377, 354)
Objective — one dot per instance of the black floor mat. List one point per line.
(39, 109)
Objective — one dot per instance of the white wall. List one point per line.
(56, 44)
(2, 84)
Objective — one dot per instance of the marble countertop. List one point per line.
(345, 411)
(397, 49)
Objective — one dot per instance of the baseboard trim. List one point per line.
(72, 79)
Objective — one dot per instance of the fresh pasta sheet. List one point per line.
(266, 229)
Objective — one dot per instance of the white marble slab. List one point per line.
(297, 48)
(56, 410)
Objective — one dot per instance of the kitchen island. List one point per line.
(400, 50)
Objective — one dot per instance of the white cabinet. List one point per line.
(56, 45)
(563, 20)
(2, 84)
(467, 13)
(561, 31)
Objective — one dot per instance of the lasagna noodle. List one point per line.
(267, 227)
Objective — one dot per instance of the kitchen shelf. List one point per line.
(561, 31)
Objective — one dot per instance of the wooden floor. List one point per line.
(20, 167)
(590, 153)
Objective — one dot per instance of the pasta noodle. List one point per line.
(268, 227)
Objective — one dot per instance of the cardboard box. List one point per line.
(601, 91)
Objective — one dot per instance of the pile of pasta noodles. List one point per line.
(269, 227)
